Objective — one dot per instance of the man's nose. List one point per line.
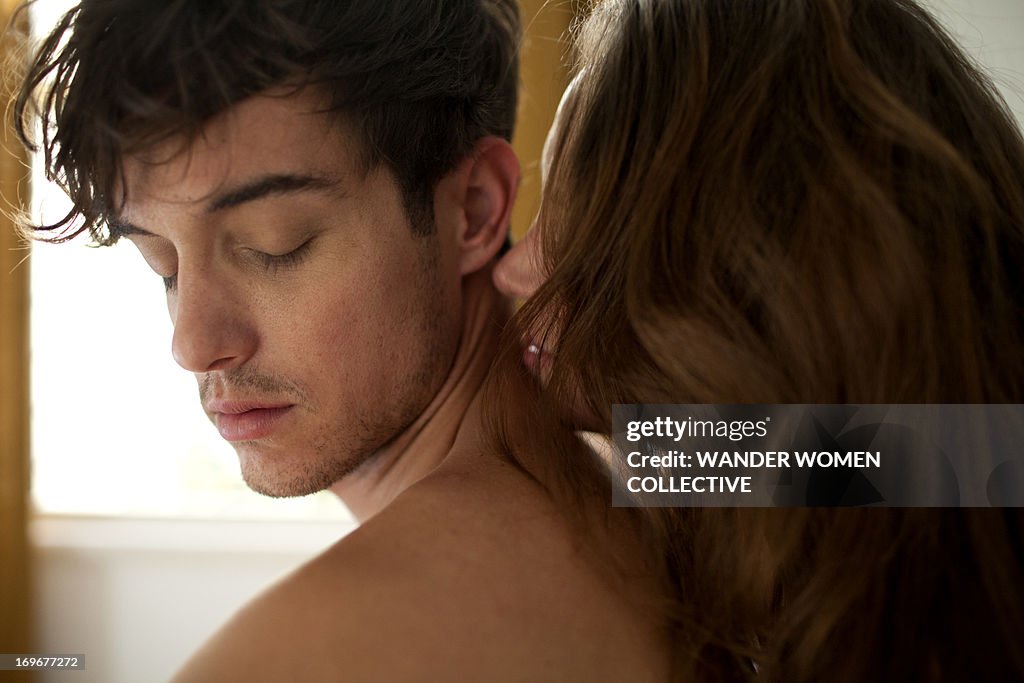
(212, 327)
(518, 274)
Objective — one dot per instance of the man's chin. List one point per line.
(277, 489)
(277, 479)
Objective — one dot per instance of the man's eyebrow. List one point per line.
(278, 183)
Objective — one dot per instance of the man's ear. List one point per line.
(485, 190)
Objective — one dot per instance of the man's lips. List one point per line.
(247, 420)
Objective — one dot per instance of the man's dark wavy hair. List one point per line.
(422, 80)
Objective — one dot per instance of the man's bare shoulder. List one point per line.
(470, 574)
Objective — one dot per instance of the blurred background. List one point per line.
(126, 533)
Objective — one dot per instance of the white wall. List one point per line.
(136, 597)
(993, 32)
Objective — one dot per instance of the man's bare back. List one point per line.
(471, 574)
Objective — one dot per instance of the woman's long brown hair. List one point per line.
(786, 201)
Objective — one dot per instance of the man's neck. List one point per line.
(428, 440)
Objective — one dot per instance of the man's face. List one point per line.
(317, 325)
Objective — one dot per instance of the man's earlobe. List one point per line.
(491, 182)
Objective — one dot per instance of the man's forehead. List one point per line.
(268, 135)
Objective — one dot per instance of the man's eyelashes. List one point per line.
(269, 262)
(272, 262)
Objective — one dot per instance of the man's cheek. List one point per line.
(339, 331)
